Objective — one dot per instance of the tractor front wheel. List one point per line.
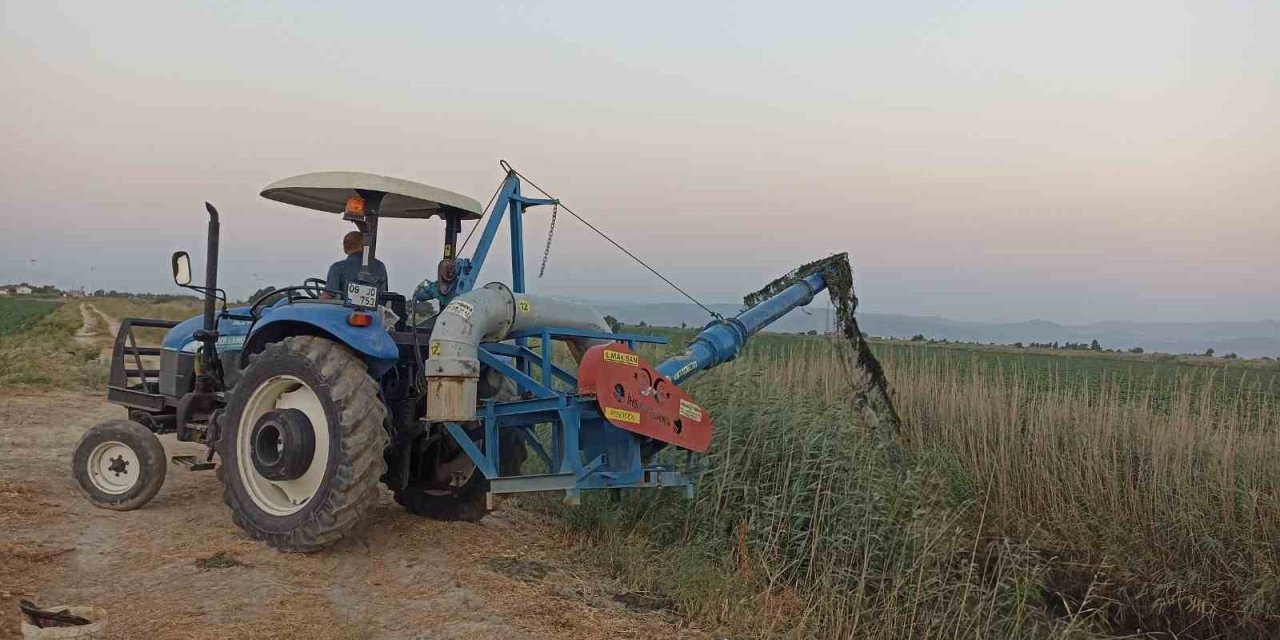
(119, 465)
(301, 444)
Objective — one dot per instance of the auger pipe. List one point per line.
(721, 340)
(490, 314)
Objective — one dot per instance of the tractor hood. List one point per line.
(282, 320)
(231, 333)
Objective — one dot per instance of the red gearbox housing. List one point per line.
(634, 397)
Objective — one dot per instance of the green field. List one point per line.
(1030, 494)
(1156, 374)
(1152, 377)
(17, 315)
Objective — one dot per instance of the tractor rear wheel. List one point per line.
(454, 489)
(301, 444)
(119, 465)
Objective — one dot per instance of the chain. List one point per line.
(546, 253)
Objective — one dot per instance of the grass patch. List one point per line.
(45, 354)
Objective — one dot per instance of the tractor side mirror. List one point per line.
(181, 268)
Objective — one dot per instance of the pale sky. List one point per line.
(1072, 161)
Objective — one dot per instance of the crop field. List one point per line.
(1028, 496)
(1153, 377)
(19, 315)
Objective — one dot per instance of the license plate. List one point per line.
(362, 295)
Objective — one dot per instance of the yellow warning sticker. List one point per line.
(435, 348)
(525, 307)
(622, 414)
(630, 359)
(690, 410)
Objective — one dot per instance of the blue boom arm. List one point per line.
(721, 340)
(583, 450)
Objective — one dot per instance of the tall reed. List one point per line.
(1029, 508)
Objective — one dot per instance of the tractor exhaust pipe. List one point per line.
(211, 270)
(490, 314)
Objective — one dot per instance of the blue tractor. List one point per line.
(310, 397)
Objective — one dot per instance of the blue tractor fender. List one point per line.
(329, 321)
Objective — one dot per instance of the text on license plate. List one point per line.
(362, 295)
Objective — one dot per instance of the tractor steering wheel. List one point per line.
(313, 287)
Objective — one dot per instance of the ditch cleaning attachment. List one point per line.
(312, 394)
(607, 420)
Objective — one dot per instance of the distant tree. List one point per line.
(919, 337)
(1231, 356)
(642, 324)
(1017, 345)
(1209, 352)
(1055, 345)
(684, 326)
(1095, 346)
(1136, 350)
(812, 332)
(614, 325)
(262, 292)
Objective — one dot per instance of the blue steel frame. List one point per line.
(583, 451)
(508, 200)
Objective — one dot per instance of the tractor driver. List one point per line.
(348, 269)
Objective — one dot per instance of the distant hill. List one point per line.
(1246, 339)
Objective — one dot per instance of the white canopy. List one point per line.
(329, 191)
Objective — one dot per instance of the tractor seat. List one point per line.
(329, 191)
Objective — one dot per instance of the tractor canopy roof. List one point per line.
(329, 190)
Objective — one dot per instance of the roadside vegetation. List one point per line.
(39, 345)
(166, 308)
(41, 350)
(1040, 500)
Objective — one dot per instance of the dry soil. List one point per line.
(178, 567)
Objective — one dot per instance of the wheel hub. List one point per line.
(254, 456)
(282, 444)
(118, 465)
(113, 467)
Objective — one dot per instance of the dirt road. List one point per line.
(98, 329)
(159, 574)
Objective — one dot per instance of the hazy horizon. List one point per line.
(1000, 162)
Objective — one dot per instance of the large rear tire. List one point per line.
(302, 497)
(464, 497)
(119, 465)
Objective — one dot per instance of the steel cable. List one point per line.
(611, 241)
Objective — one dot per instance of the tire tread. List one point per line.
(353, 485)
